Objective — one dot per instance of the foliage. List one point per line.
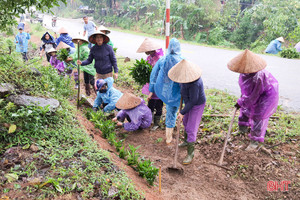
(141, 72)
(147, 170)
(62, 54)
(289, 53)
(132, 155)
(11, 9)
(216, 35)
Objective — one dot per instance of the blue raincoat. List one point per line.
(66, 38)
(167, 90)
(22, 42)
(110, 97)
(274, 47)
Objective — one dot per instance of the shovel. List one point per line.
(176, 168)
(226, 139)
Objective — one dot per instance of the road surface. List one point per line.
(213, 62)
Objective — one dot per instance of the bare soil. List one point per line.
(245, 174)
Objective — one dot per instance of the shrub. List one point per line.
(289, 53)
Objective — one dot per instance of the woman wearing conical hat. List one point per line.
(275, 46)
(66, 38)
(154, 52)
(135, 111)
(166, 89)
(188, 75)
(259, 95)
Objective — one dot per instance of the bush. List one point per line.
(216, 35)
(289, 53)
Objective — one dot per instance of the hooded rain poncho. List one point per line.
(48, 44)
(22, 42)
(84, 54)
(140, 117)
(258, 101)
(110, 97)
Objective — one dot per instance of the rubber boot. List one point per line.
(94, 89)
(252, 146)
(190, 153)
(169, 135)
(87, 89)
(156, 123)
(184, 143)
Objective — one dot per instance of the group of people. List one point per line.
(173, 80)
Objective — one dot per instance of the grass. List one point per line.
(67, 160)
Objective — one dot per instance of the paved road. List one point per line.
(212, 60)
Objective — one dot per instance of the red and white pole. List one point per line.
(167, 23)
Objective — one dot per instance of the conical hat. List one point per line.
(62, 45)
(92, 38)
(128, 101)
(247, 62)
(51, 50)
(185, 72)
(280, 39)
(148, 45)
(63, 30)
(103, 28)
(79, 38)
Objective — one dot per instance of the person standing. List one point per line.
(166, 89)
(188, 75)
(104, 56)
(259, 95)
(48, 42)
(89, 27)
(21, 41)
(154, 52)
(275, 46)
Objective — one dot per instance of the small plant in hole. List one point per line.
(133, 156)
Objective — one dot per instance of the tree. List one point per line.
(11, 9)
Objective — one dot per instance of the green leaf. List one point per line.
(11, 177)
(12, 128)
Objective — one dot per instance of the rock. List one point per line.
(86, 101)
(24, 100)
(35, 71)
(5, 89)
(34, 148)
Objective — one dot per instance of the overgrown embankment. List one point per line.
(46, 154)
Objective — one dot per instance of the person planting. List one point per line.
(259, 95)
(66, 38)
(21, 41)
(135, 111)
(57, 64)
(188, 75)
(154, 52)
(275, 46)
(107, 95)
(167, 90)
(48, 42)
(104, 56)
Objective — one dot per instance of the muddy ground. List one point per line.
(245, 174)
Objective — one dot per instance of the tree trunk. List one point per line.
(181, 29)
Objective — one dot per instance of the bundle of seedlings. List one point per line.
(141, 71)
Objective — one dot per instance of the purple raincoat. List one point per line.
(57, 64)
(152, 59)
(140, 117)
(259, 100)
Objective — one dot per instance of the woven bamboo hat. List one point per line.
(51, 50)
(185, 72)
(92, 38)
(103, 28)
(79, 38)
(128, 101)
(246, 62)
(63, 30)
(62, 45)
(148, 45)
(280, 39)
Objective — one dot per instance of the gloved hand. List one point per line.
(237, 106)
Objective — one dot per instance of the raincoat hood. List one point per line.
(51, 39)
(174, 47)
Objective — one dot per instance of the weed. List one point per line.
(123, 153)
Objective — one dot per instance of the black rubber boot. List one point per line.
(243, 129)
(155, 123)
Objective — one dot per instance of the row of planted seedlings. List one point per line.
(143, 166)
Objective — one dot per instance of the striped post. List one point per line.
(167, 23)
